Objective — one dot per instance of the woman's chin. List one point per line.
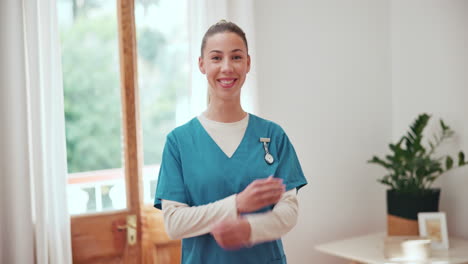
(225, 93)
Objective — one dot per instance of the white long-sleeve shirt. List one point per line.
(183, 221)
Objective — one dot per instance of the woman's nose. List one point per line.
(226, 66)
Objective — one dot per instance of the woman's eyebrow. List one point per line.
(215, 51)
(232, 51)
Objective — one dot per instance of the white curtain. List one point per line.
(203, 14)
(34, 219)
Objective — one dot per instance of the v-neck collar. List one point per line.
(216, 144)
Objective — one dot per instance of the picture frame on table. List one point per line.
(434, 227)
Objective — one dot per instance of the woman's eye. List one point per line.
(216, 58)
(237, 57)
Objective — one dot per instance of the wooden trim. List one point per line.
(130, 106)
(87, 216)
(130, 113)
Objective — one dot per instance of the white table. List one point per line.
(370, 249)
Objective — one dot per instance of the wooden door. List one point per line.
(104, 237)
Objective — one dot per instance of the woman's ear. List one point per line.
(201, 65)
(248, 63)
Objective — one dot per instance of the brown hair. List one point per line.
(223, 26)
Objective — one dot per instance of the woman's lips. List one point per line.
(227, 82)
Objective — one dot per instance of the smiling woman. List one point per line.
(225, 64)
(219, 186)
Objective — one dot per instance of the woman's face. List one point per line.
(225, 63)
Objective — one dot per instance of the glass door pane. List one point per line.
(91, 80)
(163, 74)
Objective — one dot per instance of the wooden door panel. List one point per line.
(98, 240)
(102, 260)
(168, 253)
(97, 236)
(162, 254)
(160, 249)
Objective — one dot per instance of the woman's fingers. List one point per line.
(232, 234)
(266, 185)
(270, 188)
(260, 193)
(269, 191)
(269, 180)
(270, 198)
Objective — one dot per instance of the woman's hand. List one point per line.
(260, 193)
(232, 234)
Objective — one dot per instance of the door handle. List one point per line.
(131, 227)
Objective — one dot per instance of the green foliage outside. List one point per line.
(412, 166)
(91, 79)
(92, 95)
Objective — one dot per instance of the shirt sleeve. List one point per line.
(182, 221)
(274, 224)
(289, 168)
(170, 181)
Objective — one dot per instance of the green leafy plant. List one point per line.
(412, 167)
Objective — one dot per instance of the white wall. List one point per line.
(323, 74)
(429, 41)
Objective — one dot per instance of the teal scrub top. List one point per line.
(195, 171)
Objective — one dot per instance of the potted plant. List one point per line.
(412, 167)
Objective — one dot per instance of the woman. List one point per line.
(228, 179)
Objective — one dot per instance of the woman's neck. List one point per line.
(225, 111)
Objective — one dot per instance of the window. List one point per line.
(92, 90)
(163, 79)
